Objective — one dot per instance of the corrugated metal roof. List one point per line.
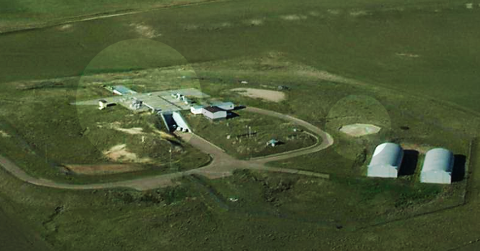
(438, 159)
(387, 154)
(122, 89)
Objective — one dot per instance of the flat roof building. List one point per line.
(437, 167)
(386, 161)
(214, 112)
(122, 90)
(196, 109)
(227, 106)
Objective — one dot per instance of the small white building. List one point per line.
(437, 167)
(272, 142)
(122, 90)
(227, 106)
(102, 104)
(214, 112)
(196, 109)
(386, 161)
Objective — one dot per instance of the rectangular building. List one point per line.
(227, 106)
(196, 109)
(122, 90)
(214, 112)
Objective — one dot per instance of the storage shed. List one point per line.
(386, 161)
(122, 90)
(196, 109)
(227, 106)
(214, 112)
(437, 167)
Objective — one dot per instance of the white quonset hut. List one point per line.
(213, 112)
(386, 161)
(437, 167)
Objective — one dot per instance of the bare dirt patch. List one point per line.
(269, 95)
(358, 13)
(116, 126)
(120, 153)
(423, 149)
(293, 17)
(327, 76)
(408, 55)
(358, 130)
(145, 30)
(103, 169)
(65, 27)
(255, 22)
(333, 12)
(133, 131)
(4, 134)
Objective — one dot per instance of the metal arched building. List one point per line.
(437, 167)
(386, 161)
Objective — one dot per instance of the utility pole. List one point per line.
(170, 157)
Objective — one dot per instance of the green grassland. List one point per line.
(375, 47)
(262, 129)
(272, 210)
(17, 15)
(413, 66)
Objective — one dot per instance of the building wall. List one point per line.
(437, 167)
(196, 111)
(180, 121)
(386, 161)
(436, 177)
(382, 171)
(217, 115)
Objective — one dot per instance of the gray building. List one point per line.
(214, 112)
(122, 90)
(227, 106)
(437, 167)
(386, 161)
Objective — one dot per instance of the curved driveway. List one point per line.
(222, 165)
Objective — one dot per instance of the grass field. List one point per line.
(232, 134)
(406, 66)
(17, 15)
(375, 47)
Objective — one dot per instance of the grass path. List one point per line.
(222, 164)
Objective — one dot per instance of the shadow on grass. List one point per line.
(239, 107)
(458, 172)
(409, 163)
(231, 115)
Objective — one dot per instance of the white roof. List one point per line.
(216, 103)
(388, 155)
(438, 159)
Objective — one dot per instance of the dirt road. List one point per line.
(222, 164)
